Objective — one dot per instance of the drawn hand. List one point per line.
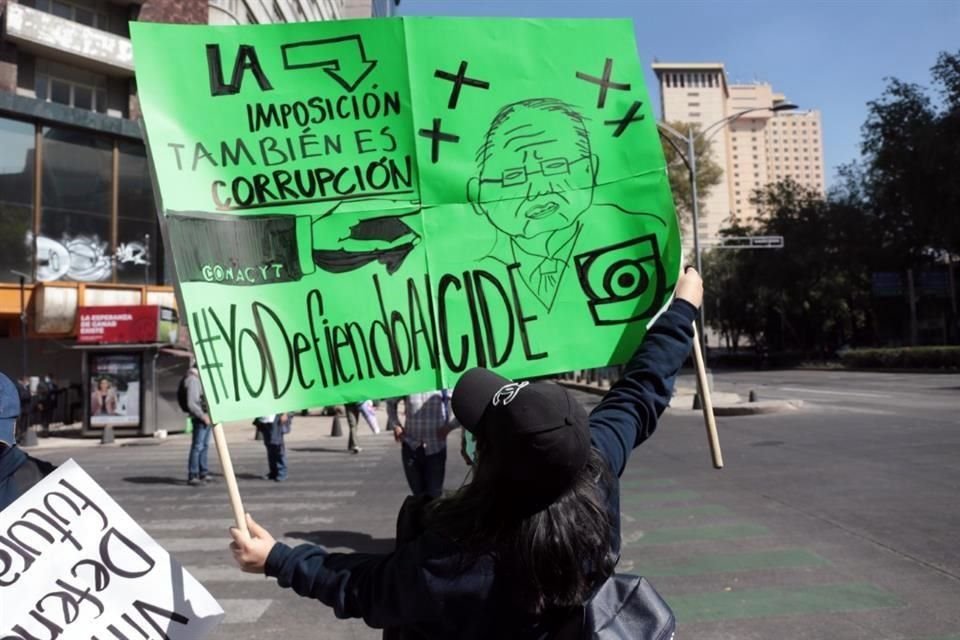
(690, 287)
(251, 551)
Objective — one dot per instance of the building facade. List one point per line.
(384, 8)
(754, 149)
(78, 224)
(224, 12)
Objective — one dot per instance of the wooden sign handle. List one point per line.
(226, 464)
(706, 403)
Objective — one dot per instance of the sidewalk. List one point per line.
(304, 427)
(724, 403)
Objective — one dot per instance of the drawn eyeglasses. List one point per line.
(520, 175)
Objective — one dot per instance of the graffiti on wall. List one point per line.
(85, 258)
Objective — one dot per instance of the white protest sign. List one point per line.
(74, 565)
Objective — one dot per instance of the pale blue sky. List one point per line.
(830, 55)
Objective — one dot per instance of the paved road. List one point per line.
(835, 521)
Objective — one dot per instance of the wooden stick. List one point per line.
(706, 403)
(226, 464)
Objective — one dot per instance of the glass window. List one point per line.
(137, 229)
(136, 255)
(83, 98)
(16, 197)
(59, 92)
(75, 231)
(40, 87)
(73, 87)
(84, 16)
(101, 101)
(62, 10)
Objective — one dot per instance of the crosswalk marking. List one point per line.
(657, 497)
(755, 603)
(224, 573)
(217, 496)
(243, 610)
(731, 562)
(305, 507)
(671, 513)
(188, 545)
(672, 535)
(222, 524)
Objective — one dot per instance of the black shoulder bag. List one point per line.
(628, 607)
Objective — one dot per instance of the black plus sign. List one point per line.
(604, 82)
(459, 79)
(436, 137)
(625, 121)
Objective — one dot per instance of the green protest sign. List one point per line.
(367, 208)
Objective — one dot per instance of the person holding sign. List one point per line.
(523, 548)
(18, 471)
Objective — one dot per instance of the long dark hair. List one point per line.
(552, 558)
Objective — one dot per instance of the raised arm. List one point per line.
(628, 413)
(386, 590)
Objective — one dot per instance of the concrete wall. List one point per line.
(68, 39)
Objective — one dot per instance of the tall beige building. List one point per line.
(754, 149)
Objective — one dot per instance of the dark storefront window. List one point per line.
(16, 198)
(138, 255)
(75, 228)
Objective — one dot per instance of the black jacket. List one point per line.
(19, 472)
(421, 586)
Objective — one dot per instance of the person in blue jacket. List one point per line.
(530, 539)
(18, 471)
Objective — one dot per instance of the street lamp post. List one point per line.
(689, 139)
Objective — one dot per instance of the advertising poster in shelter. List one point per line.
(75, 566)
(115, 390)
(367, 208)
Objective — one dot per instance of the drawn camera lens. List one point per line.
(623, 282)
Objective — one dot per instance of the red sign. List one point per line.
(118, 325)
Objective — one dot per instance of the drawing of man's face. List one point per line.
(536, 169)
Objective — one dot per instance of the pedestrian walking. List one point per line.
(23, 421)
(423, 439)
(194, 403)
(527, 548)
(47, 393)
(354, 410)
(18, 471)
(272, 428)
(370, 415)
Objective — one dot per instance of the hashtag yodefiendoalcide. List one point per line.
(454, 322)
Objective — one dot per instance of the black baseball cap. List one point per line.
(539, 431)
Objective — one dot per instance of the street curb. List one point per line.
(726, 410)
(757, 408)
